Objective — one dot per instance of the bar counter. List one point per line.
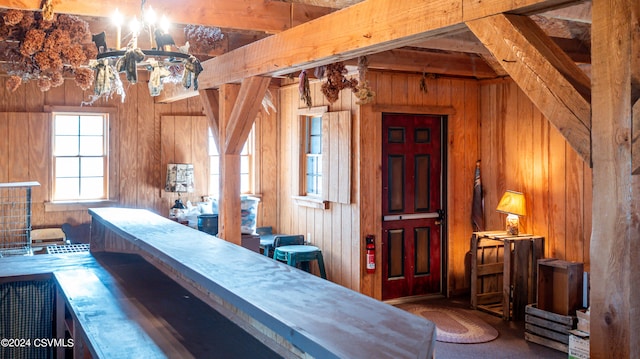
(291, 312)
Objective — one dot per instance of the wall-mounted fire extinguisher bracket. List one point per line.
(371, 253)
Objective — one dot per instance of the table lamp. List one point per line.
(180, 179)
(512, 203)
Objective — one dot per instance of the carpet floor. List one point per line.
(509, 344)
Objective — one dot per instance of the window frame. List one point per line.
(111, 184)
(317, 175)
(250, 155)
(78, 136)
(302, 199)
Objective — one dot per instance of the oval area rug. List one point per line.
(454, 325)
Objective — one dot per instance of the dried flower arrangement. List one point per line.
(423, 81)
(34, 48)
(303, 88)
(202, 39)
(363, 92)
(336, 81)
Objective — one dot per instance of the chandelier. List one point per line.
(47, 48)
(165, 62)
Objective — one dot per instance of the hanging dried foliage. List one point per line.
(319, 72)
(336, 81)
(423, 81)
(202, 39)
(303, 88)
(363, 92)
(43, 47)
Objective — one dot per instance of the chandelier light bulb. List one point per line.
(164, 24)
(150, 17)
(134, 26)
(117, 18)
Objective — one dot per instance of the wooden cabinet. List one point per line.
(503, 272)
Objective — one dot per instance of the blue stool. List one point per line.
(300, 254)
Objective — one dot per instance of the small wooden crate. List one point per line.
(559, 286)
(503, 272)
(547, 328)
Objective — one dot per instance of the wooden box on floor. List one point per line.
(548, 329)
(559, 286)
(503, 281)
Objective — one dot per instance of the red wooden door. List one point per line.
(412, 192)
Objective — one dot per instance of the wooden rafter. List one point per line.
(454, 64)
(254, 15)
(467, 42)
(327, 39)
(553, 82)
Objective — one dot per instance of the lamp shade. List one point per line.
(512, 203)
(179, 178)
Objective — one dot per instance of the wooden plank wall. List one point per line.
(334, 230)
(522, 151)
(494, 122)
(138, 173)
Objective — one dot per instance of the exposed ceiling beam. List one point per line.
(373, 26)
(453, 64)
(253, 15)
(580, 12)
(467, 42)
(336, 4)
(553, 82)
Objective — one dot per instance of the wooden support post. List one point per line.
(229, 220)
(239, 106)
(615, 249)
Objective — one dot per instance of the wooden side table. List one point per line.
(503, 272)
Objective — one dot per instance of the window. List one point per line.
(313, 156)
(246, 166)
(325, 157)
(80, 160)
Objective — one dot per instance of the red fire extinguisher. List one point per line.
(371, 254)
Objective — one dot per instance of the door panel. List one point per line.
(412, 168)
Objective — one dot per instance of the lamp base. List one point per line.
(512, 224)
